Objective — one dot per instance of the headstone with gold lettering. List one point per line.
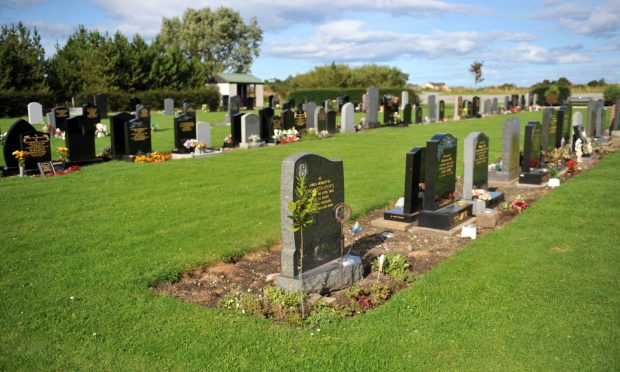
(476, 171)
(80, 135)
(60, 114)
(37, 144)
(13, 142)
(440, 209)
(300, 119)
(184, 129)
(138, 132)
(322, 267)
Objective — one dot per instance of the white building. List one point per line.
(248, 87)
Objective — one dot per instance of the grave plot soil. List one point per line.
(424, 250)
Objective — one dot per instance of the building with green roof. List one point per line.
(248, 87)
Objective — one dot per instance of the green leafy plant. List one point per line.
(303, 208)
(395, 265)
(322, 313)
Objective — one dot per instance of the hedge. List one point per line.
(15, 103)
(611, 94)
(355, 94)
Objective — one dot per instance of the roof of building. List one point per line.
(237, 78)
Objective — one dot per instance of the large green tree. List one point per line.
(22, 58)
(219, 39)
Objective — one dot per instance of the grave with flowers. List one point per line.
(476, 174)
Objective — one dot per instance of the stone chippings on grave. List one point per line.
(322, 269)
(250, 126)
(203, 133)
(432, 108)
(320, 118)
(530, 167)
(168, 106)
(348, 118)
(439, 208)
(511, 134)
(414, 176)
(372, 110)
(309, 109)
(101, 101)
(35, 113)
(476, 171)
(184, 129)
(117, 134)
(266, 124)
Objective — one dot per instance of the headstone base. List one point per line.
(478, 206)
(397, 214)
(391, 225)
(504, 176)
(326, 278)
(250, 145)
(447, 217)
(536, 177)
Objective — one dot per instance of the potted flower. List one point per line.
(228, 141)
(201, 148)
(516, 206)
(63, 152)
(480, 198)
(21, 160)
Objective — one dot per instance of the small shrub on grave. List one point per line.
(322, 313)
(395, 265)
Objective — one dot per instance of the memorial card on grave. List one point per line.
(418, 114)
(235, 129)
(407, 114)
(322, 268)
(138, 133)
(510, 166)
(300, 119)
(118, 122)
(266, 124)
(184, 129)
(61, 114)
(414, 176)
(372, 111)
(442, 110)
(531, 173)
(476, 172)
(439, 208)
(288, 119)
(46, 168)
(37, 145)
(12, 142)
(101, 101)
(331, 122)
(320, 117)
(189, 109)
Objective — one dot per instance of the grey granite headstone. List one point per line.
(475, 163)
(347, 118)
(494, 106)
(51, 120)
(168, 106)
(547, 140)
(598, 117)
(372, 110)
(35, 113)
(590, 119)
(310, 107)
(511, 134)
(617, 114)
(320, 118)
(432, 108)
(322, 239)
(250, 126)
(404, 99)
(203, 133)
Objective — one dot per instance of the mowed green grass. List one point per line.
(541, 293)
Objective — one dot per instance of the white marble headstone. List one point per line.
(250, 125)
(168, 106)
(203, 133)
(35, 113)
(347, 122)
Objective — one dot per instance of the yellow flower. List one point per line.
(20, 154)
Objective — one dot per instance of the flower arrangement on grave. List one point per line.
(254, 138)
(59, 134)
(201, 145)
(480, 194)
(21, 157)
(228, 139)
(395, 118)
(285, 136)
(324, 134)
(515, 109)
(47, 128)
(63, 152)
(449, 196)
(155, 157)
(190, 143)
(533, 163)
(515, 206)
(571, 167)
(106, 153)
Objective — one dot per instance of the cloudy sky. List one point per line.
(520, 42)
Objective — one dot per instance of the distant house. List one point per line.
(437, 86)
(248, 87)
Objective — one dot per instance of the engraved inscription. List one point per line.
(139, 134)
(36, 145)
(186, 126)
(324, 190)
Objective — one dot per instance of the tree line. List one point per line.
(186, 54)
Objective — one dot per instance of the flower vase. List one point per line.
(199, 151)
(21, 170)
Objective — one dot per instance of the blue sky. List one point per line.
(520, 42)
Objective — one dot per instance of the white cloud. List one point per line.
(581, 18)
(529, 53)
(353, 41)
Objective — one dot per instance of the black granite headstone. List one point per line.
(138, 136)
(189, 109)
(418, 114)
(184, 129)
(118, 123)
(414, 176)
(288, 119)
(80, 135)
(407, 114)
(265, 116)
(101, 101)
(475, 110)
(61, 114)
(235, 128)
(12, 142)
(331, 122)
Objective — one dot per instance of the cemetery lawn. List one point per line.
(80, 252)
